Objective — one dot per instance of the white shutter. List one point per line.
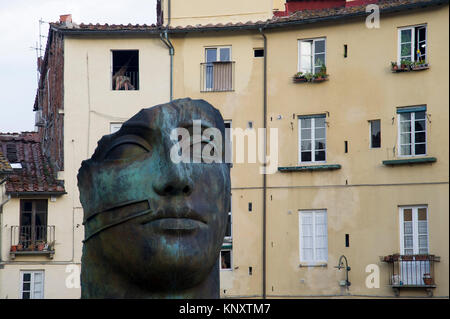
(406, 44)
(313, 236)
(305, 56)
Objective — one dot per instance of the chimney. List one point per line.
(65, 18)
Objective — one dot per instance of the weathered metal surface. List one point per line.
(153, 228)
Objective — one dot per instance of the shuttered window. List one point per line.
(313, 236)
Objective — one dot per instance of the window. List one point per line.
(217, 70)
(313, 236)
(412, 44)
(32, 284)
(228, 144)
(114, 127)
(311, 55)
(125, 70)
(33, 222)
(375, 134)
(312, 137)
(412, 131)
(258, 53)
(226, 251)
(414, 230)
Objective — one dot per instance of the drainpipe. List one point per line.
(1, 218)
(165, 38)
(264, 164)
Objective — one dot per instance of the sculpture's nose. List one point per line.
(173, 184)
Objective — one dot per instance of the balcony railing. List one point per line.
(126, 81)
(32, 240)
(412, 271)
(217, 76)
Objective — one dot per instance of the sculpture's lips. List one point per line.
(188, 220)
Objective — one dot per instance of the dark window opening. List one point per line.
(346, 146)
(250, 207)
(225, 259)
(345, 51)
(250, 271)
(347, 240)
(125, 70)
(375, 134)
(258, 53)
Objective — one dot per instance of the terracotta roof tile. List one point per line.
(36, 174)
(4, 164)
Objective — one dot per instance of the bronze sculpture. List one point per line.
(153, 228)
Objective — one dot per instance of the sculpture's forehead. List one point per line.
(174, 115)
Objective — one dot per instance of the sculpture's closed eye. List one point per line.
(127, 146)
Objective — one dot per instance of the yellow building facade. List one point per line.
(362, 166)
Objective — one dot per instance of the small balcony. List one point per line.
(217, 76)
(32, 240)
(412, 271)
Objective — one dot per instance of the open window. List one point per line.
(125, 70)
(412, 42)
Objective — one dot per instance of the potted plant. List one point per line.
(19, 246)
(427, 279)
(421, 257)
(299, 77)
(394, 66)
(14, 248)
(407, 257)
(51, 245)
(40, 245)
(405, 65)
(321, 75)
(31, 247)
(309, 76)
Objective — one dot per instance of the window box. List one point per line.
(321, 76)
(407, 66)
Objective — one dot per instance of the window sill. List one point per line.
(307, 265)
(410, 161)
(48, 253)
(309, 168)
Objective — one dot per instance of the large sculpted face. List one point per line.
(157, 223)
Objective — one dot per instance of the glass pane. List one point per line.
(406, 35)
(306, 157)
(405, 127)
(420, 115)
(305, 134)
(306, 230)
(320, 145)
(407, 228)
(406, 51)
(423, 251)
(305, 123)
(422, 214)
(320, 156)
(320, 133)
(26, 286)
(407, 215)
(405, 138)
(306, 47)
(307, 242)
(408, 242)
(421, 33)
(225, 54)
(405, 117)
(211, 55)
(305, 64)
(25, 295)
(420, 149)
(27, 206)
(27, 277)
(41, 206)
(422, 225)
(409, 252)
(228, 230)
(225, 258)
(405, 150)
(319, 46)
(308, 254)
(375, 133)
(419, 125)
(306, 145)
(420, 137)
(423, 241)
(319, 122)
(319, 60)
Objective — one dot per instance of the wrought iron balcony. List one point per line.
(217, 76)
(412, 271)
(32, 240)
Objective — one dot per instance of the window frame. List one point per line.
(415, 227)
(313, 53)
(302, 258)
(313, 133)
(228, 240)
(413, 42)
(111, 75)
(413, 134)
(231, 259)
(218, 47)
(114, 125)
(32, 283)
